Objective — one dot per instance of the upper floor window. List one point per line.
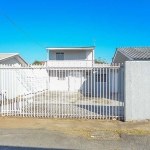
(59, 56)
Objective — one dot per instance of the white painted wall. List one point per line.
(81, 80)
(10, 84)
(137, 90)
(22, 81)
(69, 63)
(89, 55)
(10, 61)
(73, 81)
(72, 55)
(56, 84)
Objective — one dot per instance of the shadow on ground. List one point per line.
(104, 110)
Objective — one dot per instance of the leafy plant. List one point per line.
(100, 61)
(36, 62)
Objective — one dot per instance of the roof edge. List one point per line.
(75, 48)
(117, 50)
(134, 47)
(124, 54)
(22, 59)
(14, 54)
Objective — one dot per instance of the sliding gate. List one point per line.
(87, 92)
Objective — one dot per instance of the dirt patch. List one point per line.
(82, 127)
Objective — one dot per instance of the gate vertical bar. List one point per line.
(88, 75)
(2, 80)
(94, 94)
(103, 92)
(100, 93)
(106, 99)
(97, 92)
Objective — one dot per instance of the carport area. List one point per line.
(68, 104)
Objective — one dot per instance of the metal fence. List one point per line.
(83, 92)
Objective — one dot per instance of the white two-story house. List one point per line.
(73, 58)
(70, 56)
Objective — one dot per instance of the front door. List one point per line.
(74, 81)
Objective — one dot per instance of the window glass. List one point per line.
(59, 56)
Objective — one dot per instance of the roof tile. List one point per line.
(137, 53)
(7, 55)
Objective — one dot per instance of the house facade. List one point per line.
(70, 56)
(73, 58)
(73, 69)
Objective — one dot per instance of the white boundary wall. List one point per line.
(137, 90)
(16, 81)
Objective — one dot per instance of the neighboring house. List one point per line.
(11, 59)
(131, 54)
(28, 80)
(70, 56)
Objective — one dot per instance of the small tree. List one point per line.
(36, 62)
(100, 61)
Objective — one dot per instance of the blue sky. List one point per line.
(52, 23)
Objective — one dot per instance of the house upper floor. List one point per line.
(70, 56)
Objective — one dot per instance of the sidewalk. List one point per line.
(79, 126)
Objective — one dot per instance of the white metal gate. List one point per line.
(39, 91)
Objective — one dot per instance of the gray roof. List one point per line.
(136, 53)
(7, 55)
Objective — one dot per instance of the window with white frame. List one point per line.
(59, 56)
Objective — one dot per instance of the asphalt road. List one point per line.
(34, 139)
(85, 134)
